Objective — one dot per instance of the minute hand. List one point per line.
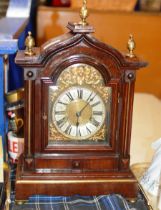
(88, 101)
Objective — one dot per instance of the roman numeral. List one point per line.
(95, 122)
(68, 129)
(60, 102)
(80, 93)
(95, 104)
(70, 96)
(99, 113)
(88, 130)
(61, 122)
(78, 132)
(59, 112)
(90, 98)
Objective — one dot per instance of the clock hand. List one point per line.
(77, 123)
(90, 100)
(78, 133)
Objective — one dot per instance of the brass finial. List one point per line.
(29, 43)
(84, 13)
(131, 46)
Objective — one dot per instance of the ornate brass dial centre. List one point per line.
(79, 111)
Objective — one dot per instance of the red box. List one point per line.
(60, 3)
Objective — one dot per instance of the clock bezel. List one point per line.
(52, 117)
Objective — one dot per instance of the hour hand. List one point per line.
(78, 133)
(77, 123)
(77, 115)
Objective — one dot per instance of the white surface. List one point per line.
(19, 8)
(15, 146)
(146, 127)
(151, 178)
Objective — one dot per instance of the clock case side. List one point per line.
(44, 68)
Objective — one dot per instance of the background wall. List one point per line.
(114, 28)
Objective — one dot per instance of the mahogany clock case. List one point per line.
(59, 162)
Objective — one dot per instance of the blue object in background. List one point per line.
(15, 76)
(9, 44)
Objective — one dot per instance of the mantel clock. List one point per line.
(78, 115)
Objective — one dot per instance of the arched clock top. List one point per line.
(82, 43)
(84, 63)
(76, 43)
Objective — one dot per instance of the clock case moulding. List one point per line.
(76, 169)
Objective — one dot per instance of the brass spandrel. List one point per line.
(80, 74)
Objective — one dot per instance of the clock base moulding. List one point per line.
(74, 182)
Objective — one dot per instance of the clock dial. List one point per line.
(78, 112)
